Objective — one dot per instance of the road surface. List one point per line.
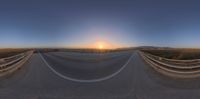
(120, 76)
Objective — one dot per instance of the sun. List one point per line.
(100, 45)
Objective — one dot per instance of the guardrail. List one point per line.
(176, 62)
(17, 62)
(172, 65)
(11, 62)
(171, 70)
(14, 56)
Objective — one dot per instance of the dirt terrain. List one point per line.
(180, 54)
(10, 52)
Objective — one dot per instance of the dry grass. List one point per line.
(10, 52)
(180, 54)
(83, 50)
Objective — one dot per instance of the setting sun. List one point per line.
(103, 45)
(100, 45)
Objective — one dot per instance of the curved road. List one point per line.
(136, 81)
(77, 69)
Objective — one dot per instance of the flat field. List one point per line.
(10, 52)
(180, 54)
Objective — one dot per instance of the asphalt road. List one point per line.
(97, 67)
(46, 76)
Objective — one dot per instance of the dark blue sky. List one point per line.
(72, 23)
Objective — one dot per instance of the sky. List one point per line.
(112, 23)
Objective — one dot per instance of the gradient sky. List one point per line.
(82, 23)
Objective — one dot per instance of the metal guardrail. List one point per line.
(14, 56)
(175, 70)
(172, 70)
(14, 64)
(181, 63)
(172, 66)
(12, 61)
(174, 60)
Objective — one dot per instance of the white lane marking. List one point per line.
(86, 81)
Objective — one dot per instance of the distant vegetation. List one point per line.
(180, 54)
(83, 50)
(10, 52)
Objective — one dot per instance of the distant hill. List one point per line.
(153, 47)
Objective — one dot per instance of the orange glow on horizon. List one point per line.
(104, 45)
(98, 45)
